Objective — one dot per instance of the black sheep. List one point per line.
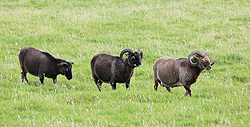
(114, 69)
(43, 64)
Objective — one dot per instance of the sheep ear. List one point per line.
(207, 53)
(71, 62)
(140, 52)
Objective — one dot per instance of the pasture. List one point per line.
(76, 30)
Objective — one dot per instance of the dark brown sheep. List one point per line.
(114, 69)
(172, 72)
(42, 64)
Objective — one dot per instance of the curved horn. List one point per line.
(195, 52)
(126, 50)
(141, 53)
(64, 63)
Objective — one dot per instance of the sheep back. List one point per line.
(32, 59)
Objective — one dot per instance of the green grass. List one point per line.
(77, 30)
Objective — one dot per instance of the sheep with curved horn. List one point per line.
(174, 72)
(115, 69)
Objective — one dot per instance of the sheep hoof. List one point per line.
(185, 94)
(100, 89)
(169, 89)
(188, 93)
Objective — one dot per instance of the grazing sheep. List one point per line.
(42, 64)
(174, 72)
(114, 69)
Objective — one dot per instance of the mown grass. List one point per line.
(77, 30)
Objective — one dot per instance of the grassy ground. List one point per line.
(77, 30)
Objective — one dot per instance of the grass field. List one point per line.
(77, 30)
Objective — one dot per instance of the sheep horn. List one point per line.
(64, 63)
(214, 61)
(124, 51)
(195, 52)
(141, 53)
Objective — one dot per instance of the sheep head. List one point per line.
(201, 60)
(133, 58)
(66, 69)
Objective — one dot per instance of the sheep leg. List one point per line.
(156, 84)
(54, 81)
(24, 77)
(99, 85)
(127, 84)
(169, 89)
(41, 77)
(113, 84)
(188, 91)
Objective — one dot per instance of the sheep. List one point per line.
(42, 64)
(173, 72)
(114, 69)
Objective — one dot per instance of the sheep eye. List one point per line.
(202, 60)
